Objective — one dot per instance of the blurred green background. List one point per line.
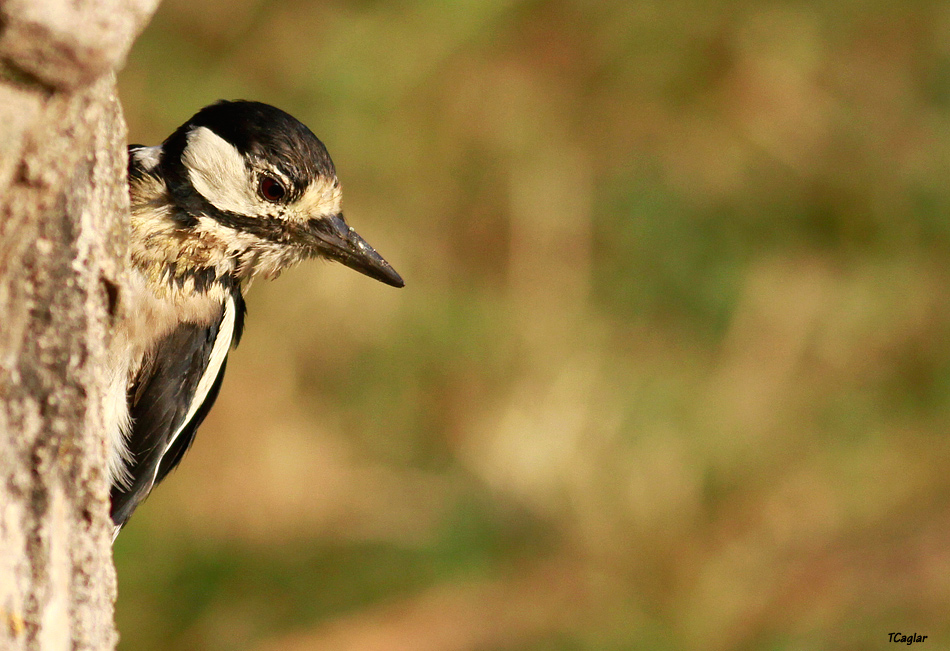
(671, 369)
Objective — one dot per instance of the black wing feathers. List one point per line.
(160, 399)
(181, 444)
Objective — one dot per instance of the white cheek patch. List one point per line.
(217, 171)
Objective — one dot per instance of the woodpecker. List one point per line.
(240, 189)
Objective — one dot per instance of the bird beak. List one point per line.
(336, 240)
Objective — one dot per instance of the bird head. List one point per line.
(258, 179)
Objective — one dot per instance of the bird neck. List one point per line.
(177, 258)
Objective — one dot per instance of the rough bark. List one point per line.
(63, 222)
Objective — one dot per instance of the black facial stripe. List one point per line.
(262, 134)
(192, 203)
(272, 229)
(183, 219)
(138, 173)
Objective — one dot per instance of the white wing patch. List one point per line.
(219, 351)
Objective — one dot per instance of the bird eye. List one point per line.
(271, 189)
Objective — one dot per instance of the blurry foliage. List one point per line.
(672, 366)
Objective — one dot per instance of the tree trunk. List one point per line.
(63, 232)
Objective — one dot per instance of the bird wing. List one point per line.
(170, 397)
